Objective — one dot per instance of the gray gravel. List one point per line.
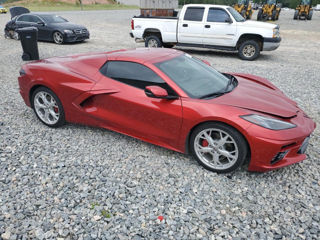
(78, 182)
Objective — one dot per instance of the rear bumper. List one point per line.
(270, 44)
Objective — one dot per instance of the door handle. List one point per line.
(185, 25)
(207, 26)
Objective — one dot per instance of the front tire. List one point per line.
(47, 107)
(309, 17)
(273, 16)
(218, 147)
(259, 17)
(249, 50)
(153, 41)
(58, 37)
(295, 16)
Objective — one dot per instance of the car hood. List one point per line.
(260, 95)
(66, 25)
(16, 11)
(250, 23)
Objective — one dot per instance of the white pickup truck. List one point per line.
(208, 26)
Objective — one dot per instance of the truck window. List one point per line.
(217, 15)
(194, 14)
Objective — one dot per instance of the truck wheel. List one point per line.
(243, 13)
(309, 17)
(273, 16)
(153, 42)
(295, 16)
(249, 50)
(278, 14)
(259, 15)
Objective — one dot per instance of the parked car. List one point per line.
(208, 26)
(50, 27)
(3, 9)
(173, 100)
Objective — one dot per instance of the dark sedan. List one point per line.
(50, 27)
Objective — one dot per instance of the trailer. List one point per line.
(156, 8)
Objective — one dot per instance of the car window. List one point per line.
(34, 19)
(29, 18)
(217, 15)
(134, 74)
(194, 14)
(24, 18)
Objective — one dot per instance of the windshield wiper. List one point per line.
(215, 94)
(220, 93)
(230, 82)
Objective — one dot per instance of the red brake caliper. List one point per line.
(56, 109)
(204, 143)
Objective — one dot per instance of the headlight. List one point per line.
(276, 33)
(68, 31)
(268, 122)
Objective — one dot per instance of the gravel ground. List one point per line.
(78, 182)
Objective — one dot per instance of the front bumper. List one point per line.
(270, 44)
(289, 145)
(76, 37)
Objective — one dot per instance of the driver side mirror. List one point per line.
(158, 92)
(40, 23)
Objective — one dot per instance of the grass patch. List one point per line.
(48, 6)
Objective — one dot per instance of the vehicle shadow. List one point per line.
(222, 54)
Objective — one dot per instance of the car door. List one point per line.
(190, 28)
(218, 31)
(126, 108)
(43, 30)
(23, 21)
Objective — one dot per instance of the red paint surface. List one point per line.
(90, 98)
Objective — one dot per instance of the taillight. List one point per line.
(132, 24)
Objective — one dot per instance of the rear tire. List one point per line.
(278, 14)
(249, 50)
(259, 17)
(153, 41)
(273, 16)
(243, 13)
(309, 17)
(295, 16)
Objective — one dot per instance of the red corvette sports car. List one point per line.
(168, 98)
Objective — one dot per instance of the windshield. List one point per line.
(305, 2)
(194, 77)
(53, 19)
(240, 2)
(236, 15)
(271, 2)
